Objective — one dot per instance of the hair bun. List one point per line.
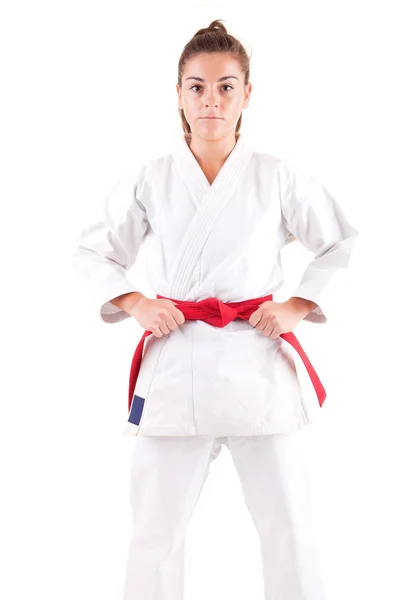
(214, 26)
(217, 26)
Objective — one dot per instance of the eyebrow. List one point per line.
(220, 79)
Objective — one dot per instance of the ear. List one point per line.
(249, 87)
(178, 91)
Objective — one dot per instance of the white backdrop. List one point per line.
(89, 90)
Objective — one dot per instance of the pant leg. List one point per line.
(167, 476)
(172, 570)
(277, 486)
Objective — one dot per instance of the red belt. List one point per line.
(217, 313)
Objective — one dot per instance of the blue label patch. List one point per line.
(136, 410)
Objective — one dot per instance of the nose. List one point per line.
(210, 100)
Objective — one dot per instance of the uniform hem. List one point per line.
(170, 430)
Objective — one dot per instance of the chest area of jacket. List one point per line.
(250, 220)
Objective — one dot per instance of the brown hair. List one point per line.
(214, 38)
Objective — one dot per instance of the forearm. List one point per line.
(127, 301)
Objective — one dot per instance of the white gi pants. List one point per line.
(167, 476)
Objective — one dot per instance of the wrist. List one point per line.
(301, 305)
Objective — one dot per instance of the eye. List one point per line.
(225, 85)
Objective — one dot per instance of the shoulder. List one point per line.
(294, 179)
(142, 172)
(266, 159)
(128, 191)
(128, 180)
(134, 186)
(288, 169)
(272, 165)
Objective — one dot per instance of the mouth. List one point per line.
(217, 118)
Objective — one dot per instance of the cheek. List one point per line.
(190, 113)
(191, 106)
(234, 102)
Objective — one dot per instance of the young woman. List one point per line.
(217, 365)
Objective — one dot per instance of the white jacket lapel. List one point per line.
(210, 200)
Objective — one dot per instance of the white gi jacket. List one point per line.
(203, 241)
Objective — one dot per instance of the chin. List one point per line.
(208, 134)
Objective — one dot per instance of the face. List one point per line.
(213, 86)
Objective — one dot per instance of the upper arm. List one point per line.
(121, 224)
(311, 212)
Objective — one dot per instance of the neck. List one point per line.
(211, 152)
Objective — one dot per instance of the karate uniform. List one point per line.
(200, 385)
(205, 241)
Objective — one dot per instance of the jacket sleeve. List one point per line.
(313, 215)
(108, 246)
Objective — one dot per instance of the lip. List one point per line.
(211, 118)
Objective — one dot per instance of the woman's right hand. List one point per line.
(159, 315)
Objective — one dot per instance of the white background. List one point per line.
(88, 91)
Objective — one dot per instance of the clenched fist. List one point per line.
(273, 318)
(160, 316)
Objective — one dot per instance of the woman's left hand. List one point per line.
(273, 318)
